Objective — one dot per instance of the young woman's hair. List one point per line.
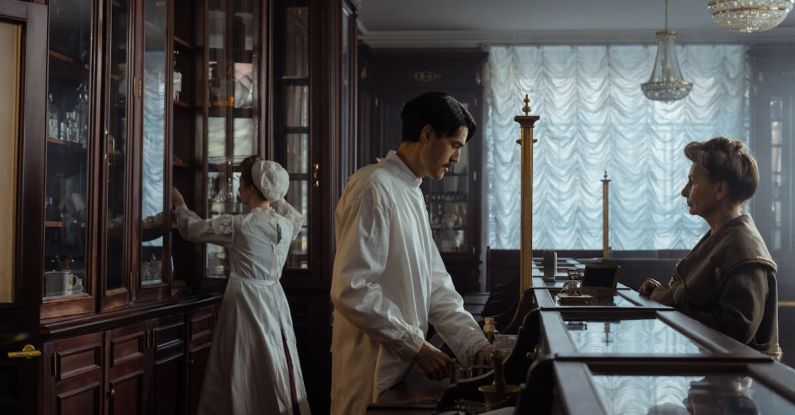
(245, 173)
(727, 160)
(439, 110)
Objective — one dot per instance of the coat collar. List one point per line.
(401, 169)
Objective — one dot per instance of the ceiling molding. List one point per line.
(480, 38)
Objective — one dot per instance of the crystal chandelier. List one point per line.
(666, 82)
(749, 15)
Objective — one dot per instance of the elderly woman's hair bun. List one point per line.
(727, 160)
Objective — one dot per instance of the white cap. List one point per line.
(271, 179)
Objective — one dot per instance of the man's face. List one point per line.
(442, 152)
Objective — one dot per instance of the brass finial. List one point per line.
(526, 108)
(605, 179)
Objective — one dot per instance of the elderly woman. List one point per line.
(253, 366)
(728, 280)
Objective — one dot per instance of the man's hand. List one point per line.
(648, 286)
(485, 354)
(433, 362)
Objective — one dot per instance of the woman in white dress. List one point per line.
(253, 366)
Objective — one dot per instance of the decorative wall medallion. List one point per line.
(427, 76)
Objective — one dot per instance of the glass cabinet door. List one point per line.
(116, 148)
(781, 207)
(450, 203)
(233, 38)
(448, 207)
(153, 268)
(291, 118)
(68, 126)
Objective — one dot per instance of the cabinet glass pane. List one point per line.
(700, 393)
(781, 109)
(68, 121)
(292, 139)
(11, 50)
(298, 196)
(233, 103)
(116, 145)
(642, 336)
(345, 99)
(153, 169)
(447, 202)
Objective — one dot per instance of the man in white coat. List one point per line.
(389, 281)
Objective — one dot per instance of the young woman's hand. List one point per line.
(179, 201)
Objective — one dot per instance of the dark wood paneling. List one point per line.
(128, 367)
(81, 401)
(74, 373)
(168, 371)
(200, 334)
(126, 394)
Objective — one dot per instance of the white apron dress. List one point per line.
(389, 283)
(247, 372)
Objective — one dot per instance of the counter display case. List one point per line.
(635, 335)
(709, 387)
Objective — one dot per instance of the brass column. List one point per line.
(605, 218)
(526, 122)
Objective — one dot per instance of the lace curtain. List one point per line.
(594, 117)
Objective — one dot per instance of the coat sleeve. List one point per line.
(447, 315)
(359, 267)
(218, 231)
(740, 305)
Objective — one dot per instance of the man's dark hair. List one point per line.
(443, 112)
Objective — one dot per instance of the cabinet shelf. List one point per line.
(296, 130)
(179, 163)
(58, 224)
(182, 104)
(64, 58)
(152, 26)
(66, 144)
(295, 80)
(182, 43)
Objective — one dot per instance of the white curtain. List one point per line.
(594, 117)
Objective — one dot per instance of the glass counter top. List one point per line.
(637, 336)
(710, 394)
(615, 301)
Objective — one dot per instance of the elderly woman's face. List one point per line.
(700, 192)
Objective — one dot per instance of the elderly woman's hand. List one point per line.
(662, 295)
(648, 286)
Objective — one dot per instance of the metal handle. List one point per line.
(27, 352)
(316, 174)
(112, 392)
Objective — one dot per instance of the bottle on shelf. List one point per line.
(489, 329)
(52, 118)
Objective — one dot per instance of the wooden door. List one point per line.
(200, 337)
(73, 370)
(128, 364)
(23, 46)
(167, 392)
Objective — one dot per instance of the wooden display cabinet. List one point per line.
(120, 101)
(312, 123)
(390, 78)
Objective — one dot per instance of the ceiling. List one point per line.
(468, 23)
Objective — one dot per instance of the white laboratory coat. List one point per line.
(247, 369)
(389, 283)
